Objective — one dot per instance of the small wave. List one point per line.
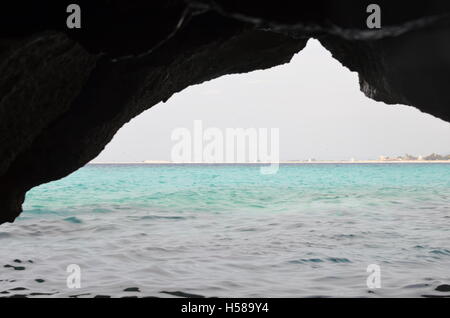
(73, 220)
(182, 294)
(132, 289)
(159, 217)
(443, 288)
(16, 268)
(338, 260)
(441, 252)
(304, 260)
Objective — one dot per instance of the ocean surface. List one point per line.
(174, 231)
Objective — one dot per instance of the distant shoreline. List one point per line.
(281, 162)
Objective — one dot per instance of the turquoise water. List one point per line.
(158, 230)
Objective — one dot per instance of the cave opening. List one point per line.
(314, 101)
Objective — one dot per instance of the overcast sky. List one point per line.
(314, 101)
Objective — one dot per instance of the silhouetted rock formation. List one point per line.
(64, 93)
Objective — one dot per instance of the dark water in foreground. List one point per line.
(164, 231)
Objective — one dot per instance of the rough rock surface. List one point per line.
(64, 93)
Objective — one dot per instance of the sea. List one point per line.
(161, 230)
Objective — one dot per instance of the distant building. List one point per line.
(434, 156)
(409, 157)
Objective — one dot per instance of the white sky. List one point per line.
(313, 100)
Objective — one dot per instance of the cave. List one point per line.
(64, 93)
